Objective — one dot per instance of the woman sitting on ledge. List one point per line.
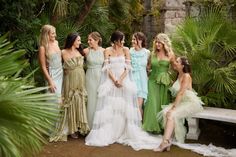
(186, 103)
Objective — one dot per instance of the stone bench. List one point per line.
(211, 113)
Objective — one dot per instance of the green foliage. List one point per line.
(25, 115)
(208, 42)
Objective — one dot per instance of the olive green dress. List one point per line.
(158, 94)
(74, 114)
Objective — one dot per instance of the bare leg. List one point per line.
(140, 104)
(170, 125)
(169, 128)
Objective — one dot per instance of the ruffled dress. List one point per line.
(74, 114)
(158, 94)
(139, 61)
(117, 117)
(189, 105)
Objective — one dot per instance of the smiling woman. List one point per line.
(158, 83)
(50, 59)
(74, 115)
(94, 60)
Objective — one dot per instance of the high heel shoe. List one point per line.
(164, 146)
(74, 135)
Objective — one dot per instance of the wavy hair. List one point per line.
(165, 40)
(97, 37)
(44, 36)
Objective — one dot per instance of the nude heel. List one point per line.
(164, 146)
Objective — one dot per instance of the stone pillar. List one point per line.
(193, 128)
(173, 13)
(149, 22)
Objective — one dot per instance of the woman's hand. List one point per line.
(52, 87)
(118, 83)
(173, 106)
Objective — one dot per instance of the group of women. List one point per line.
(124, 95)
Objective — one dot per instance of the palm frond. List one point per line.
(208, 42)
(26, 115)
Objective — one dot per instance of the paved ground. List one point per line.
(220, 134)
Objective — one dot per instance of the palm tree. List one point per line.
(26, 115)
(209, 43)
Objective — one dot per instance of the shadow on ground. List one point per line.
(217, 133)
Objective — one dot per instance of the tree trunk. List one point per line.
(84, 11)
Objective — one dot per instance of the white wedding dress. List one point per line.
(117, 117)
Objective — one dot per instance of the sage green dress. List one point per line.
(94, 62)
(74, 114)
(158, 94)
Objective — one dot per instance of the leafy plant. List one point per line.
(209, 43)
(26, 116)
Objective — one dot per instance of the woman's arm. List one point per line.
(43, 65)
(106, 63)
(126, 70)
(148, 68)
(86, 51)
(184, 84)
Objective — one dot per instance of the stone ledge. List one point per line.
(219, 114)
(211, 113)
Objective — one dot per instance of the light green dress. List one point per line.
(74, 114)
(189, 105)
(158, 95)
(94, 62)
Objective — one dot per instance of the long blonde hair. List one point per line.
(165, 40)
(44, 36)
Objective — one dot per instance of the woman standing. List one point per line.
(74, 117)
(94, 61)
(158, 83)
(117, 117)
(50, 59)
(186, 103)
(139, 59)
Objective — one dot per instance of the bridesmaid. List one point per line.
(186, 103)
(50, 59)
(94, 59)
(139, 59)
(74, 117)
(158, 83)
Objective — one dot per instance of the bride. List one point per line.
(117, 117)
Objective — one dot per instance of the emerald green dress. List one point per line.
(158, 94)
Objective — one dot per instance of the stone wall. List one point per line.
(173, 13)
(149, 22)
